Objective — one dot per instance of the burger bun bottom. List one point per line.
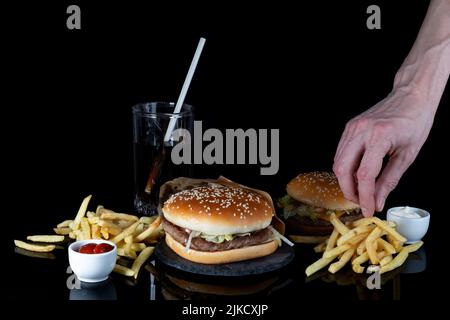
(220, 257)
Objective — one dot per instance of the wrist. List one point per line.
(423, 77)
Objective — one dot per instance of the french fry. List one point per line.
(128, 239)
(389, 248)
(63, 224)
(396, 262)
(156, 235)
(90, 215)
(335, 267)
(398, 245)
(137, 247)
(45, 238)
(121, 252)
(95, 231)
(333, 253)
(413, 247)
(388, 229)
(125, 233)
(146, 233)
(381, 255)
(34, 247)
(307, 239)
(104, 232)
(141, 259)
(85, 228)
(353, 233)
(123, 224)
(81, 212)
(128, 242)
(112, 228)
(316, 266)
(371, 243)
(361, 259)
(356, 240)
(97, 211)
(139, 229)
(341, 228)
(147, 220)
(62, 230)
(386, 260)
(362, 222)
(367, 221)
(356, 263)
(72, 235)
(362, 241)
(123, 270)
(93, 220)
(320, 247)
(107, 214)
(332, 240)
(131, 254)
(361, 248)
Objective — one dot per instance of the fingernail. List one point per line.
(365, 212)
(380, 204)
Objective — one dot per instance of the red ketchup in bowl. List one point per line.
(93, 248)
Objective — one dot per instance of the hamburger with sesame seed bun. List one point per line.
(311, 199)
(220, 222)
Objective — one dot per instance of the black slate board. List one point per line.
(275, 261)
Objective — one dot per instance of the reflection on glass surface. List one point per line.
(346, 277)
(31, 254)
(104, 290)
(416, 262)
(175, 287)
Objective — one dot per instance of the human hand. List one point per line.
(396, 128)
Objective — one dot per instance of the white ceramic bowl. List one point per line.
(92, 267)
(413, 229)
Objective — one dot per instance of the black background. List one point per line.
(303, 68)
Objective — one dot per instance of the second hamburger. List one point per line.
(310, 200)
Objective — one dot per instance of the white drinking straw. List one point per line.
(185, 88)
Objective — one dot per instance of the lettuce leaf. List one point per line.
(223, 237)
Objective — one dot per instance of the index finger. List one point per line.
(345, 167)
(369, 168)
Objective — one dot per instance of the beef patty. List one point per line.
(319, 222)
(200, 244)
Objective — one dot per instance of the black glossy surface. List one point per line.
(43, 278)
(304, 68)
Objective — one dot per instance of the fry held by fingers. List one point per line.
(338, 225)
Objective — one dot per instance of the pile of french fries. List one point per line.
(362, 241)
(132, 235)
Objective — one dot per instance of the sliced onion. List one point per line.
(192, 234)
(279, 235)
